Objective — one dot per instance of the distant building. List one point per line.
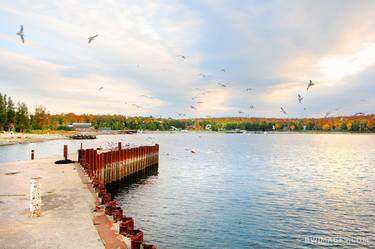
(81, 126)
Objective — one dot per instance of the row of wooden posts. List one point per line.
(117, 164)
(110, 166)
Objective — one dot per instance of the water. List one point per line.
(249, 191)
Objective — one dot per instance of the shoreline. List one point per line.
(24, 138)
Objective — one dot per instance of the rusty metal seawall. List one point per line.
(111, 166)
(117, 164)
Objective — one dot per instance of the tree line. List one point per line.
(16, 117)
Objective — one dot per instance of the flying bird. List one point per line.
(222, 85)
(100, 88)
(310, 84)
(282, 110)
(182, 56)
(240, 112)
(20, 33)
(193, 107)
(251, 107)
(223, 70)
(180, 114)
(137, 106)
(248, 89)
(300, 98)
(91, 38)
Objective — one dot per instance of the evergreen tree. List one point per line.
(22, 117)
(3, 115)
(11, 114)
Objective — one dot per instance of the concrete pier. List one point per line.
(66, 219)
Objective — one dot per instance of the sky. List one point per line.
(271, 47)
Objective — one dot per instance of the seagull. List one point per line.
(251, 107)
(182, 56)
(100, 88)
(240, 112)
(91, 38)
(327, 114)
(193, 107)
(310, 84)
(282, 110)
(146, 96)
(222, 85)
(192, 151)
(20, 33)
(248, 89)
(223, 70)
(137, 106)
(300, 98)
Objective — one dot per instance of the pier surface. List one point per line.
(67, 206)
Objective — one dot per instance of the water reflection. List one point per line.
(238, 191)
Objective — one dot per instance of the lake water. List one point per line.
(247, 191)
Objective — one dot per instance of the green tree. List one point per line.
(11, 115)
(22, 117)
(3, 112)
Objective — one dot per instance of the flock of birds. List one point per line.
(201, 94)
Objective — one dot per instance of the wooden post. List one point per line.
(32, 154)
(66, 152)
(35, 197)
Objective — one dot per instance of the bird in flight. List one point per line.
(248, 89)
(137, 106)
(282, 110)
(251, 107)
(20, 33)
(223, 70)
(300, 98)
(180, 114)
(240, 112)
(182, 56)
(222, 85)
(203, 75)
(91, 38)
(193, 107)
(100, 88)
(310, 84)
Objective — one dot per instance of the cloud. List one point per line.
(274, 47)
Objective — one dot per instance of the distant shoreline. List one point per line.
(23, 138)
